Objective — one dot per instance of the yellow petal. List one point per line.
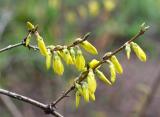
(92, 96)
(77, 99)
(117, 65)
(57, 64)
(66, 56)
(93, 63)
(79, 61)
(73, 54)
(128, 50)
(28, 40)
(92, 84)
(85, 92)
(48, 60)
(30, 26)
(79, 88)
(102, 77)
(139, 52)
(89, 47)
(41, 45)
(112, 71)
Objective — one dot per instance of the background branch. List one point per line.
(47, 109)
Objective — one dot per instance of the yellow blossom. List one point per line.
(57, 64)
(89, 47)
(92, 96)
(92, 84)
(48, 59)
(66, 56)
(73, 54)
(85, 92)
(112, 71)
(102, 77)
(77, 98)
(117, 65)
(79, 88)
(28, 40)
(128, 50)
(139, 52)
(79, 60)
(30, 26)
(93, 63)
(41, 45)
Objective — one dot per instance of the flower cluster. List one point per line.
(71, 54)
(87, 87)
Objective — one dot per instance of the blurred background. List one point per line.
(111, 23)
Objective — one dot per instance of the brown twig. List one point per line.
(84, 74)
(44, 107)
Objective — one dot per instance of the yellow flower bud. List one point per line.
(30, 26)
(77, 98)
(79, 88)
(48, 59)
(28, 40)
(128, 50)
(79, 61)
(93, 7)
(117, 65)
(73, 54)
(85, 92)
(92, 96)
(89, 47)
(57, 64)
(92, 84)
(139, 52)
(93, 63)
(66, 56)
(112, 71)
(41, 45)
(102, 77)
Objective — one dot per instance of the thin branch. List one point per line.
(84, 74)
(47, 109)
(10, 47)
(22, 43)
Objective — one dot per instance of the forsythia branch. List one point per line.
(22, 43)
(50, 108)
(84, 74)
